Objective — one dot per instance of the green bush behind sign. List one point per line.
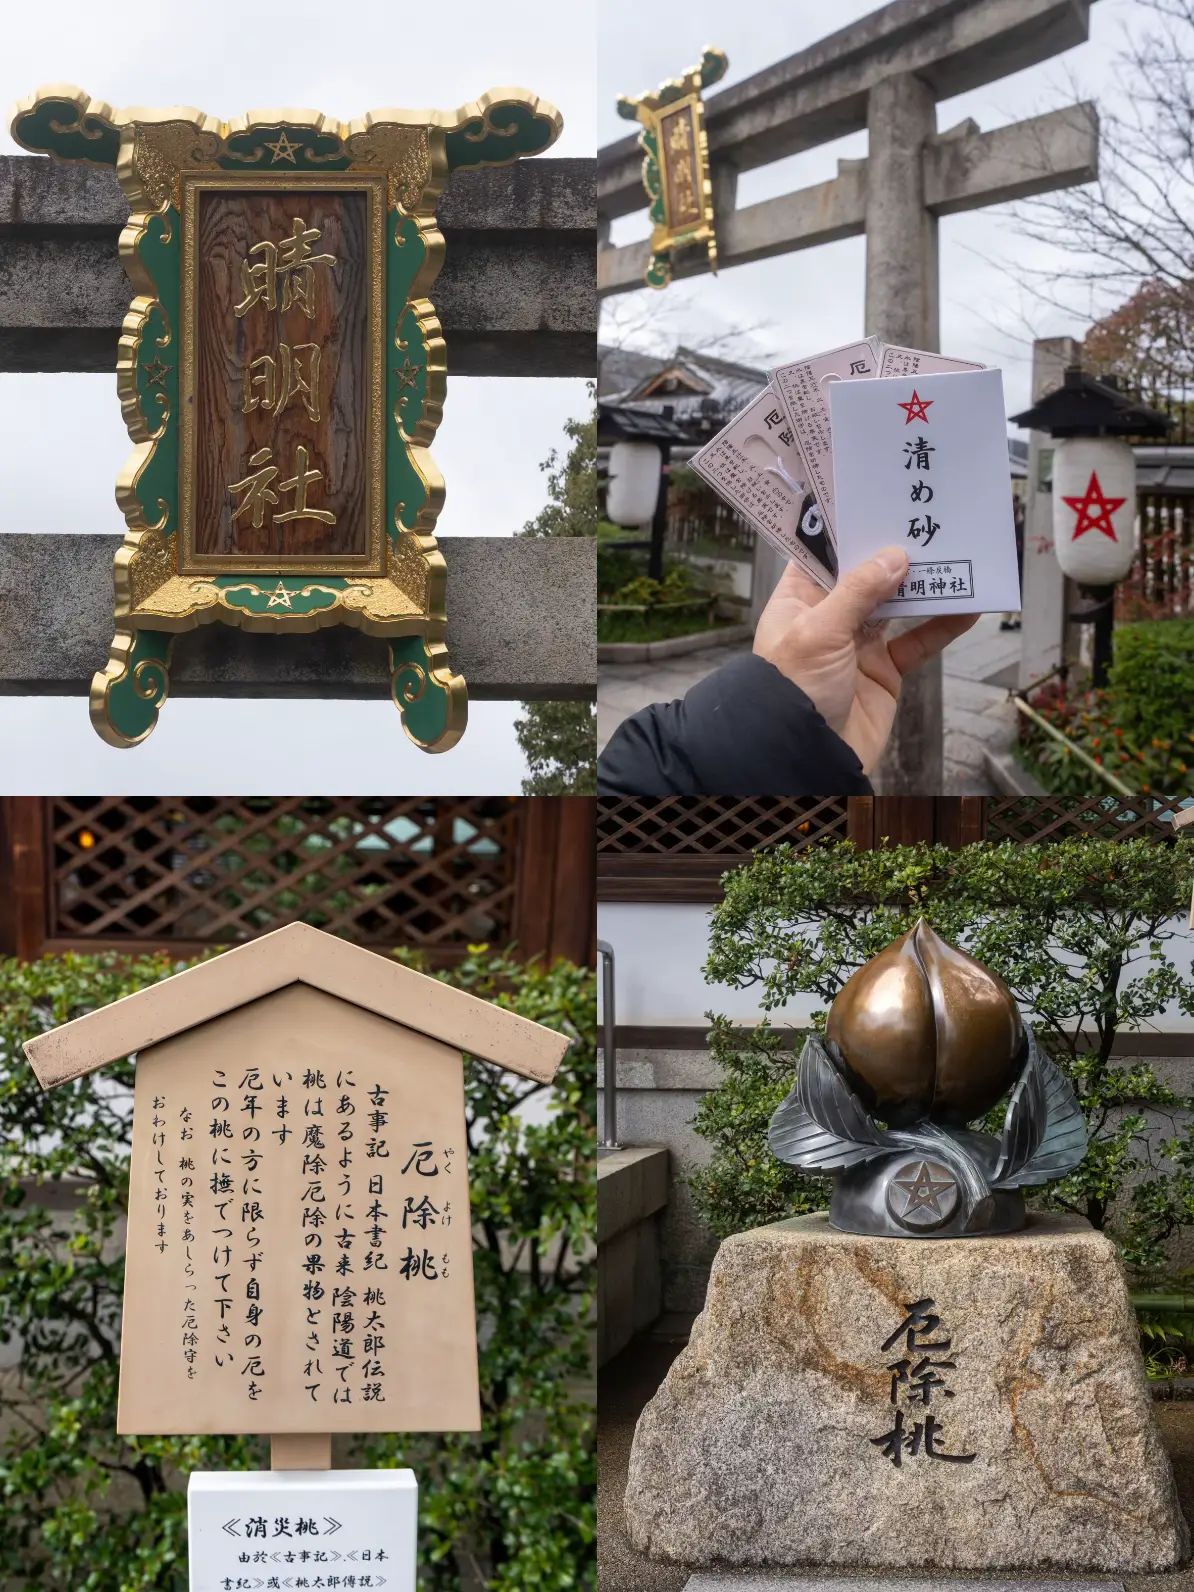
(82, 1510)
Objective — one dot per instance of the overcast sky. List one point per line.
(225, 57)
(814, 299)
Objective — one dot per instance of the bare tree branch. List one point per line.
(1131, 233)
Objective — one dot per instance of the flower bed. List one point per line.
(1140, 729)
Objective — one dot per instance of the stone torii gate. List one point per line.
(516, 298)
(886, 73)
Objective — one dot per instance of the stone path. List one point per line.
(978, 670)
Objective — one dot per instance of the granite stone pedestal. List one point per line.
(884, 1403)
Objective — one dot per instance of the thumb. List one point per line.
(860, 591)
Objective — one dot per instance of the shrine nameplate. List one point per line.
(282, 373)
(676, 176)
(283, 358)
(299, 1253)
(679, 156)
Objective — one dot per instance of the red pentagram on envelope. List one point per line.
(917, 408)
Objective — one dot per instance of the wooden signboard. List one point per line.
(676, 165)
(299, 1251)
(282, 374)
(282, 449)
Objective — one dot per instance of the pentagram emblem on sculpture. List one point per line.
(922, 1194)
(920, 1043)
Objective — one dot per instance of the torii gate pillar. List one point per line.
(901, 234)
(902, 307)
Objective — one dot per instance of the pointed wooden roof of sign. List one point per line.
(296, 954)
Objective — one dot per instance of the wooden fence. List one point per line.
(673, 849)
(183, 873)
(1161, 582)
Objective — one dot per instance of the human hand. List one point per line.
(853, 679)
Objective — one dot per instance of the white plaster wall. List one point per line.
(660, 949)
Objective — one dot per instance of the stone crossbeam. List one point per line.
(515, 296)
(522, 626)
(963, 170)
(821, 93)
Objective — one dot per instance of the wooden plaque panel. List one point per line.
(299, 1253)
(681, 166)
(284, 302)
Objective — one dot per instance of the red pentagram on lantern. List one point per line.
(917, 407)
(1094, 510)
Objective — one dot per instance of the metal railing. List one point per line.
(607, 1138)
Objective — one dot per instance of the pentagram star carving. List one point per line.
(1094, 510)
(917, 408)
(406, 373)
(156, 373)
(283, 149)
(923, 1193)
(279, 598)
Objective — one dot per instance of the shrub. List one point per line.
(1138, 728)
(1152, 681)
(1079, 931)
(1153, 764)
(81, 1508)
(617, 567)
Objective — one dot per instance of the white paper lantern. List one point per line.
(633, 490)
(1094, 508)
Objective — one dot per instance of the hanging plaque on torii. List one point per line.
(676, 164)
(282, 374)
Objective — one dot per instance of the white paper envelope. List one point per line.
(804, 387)
(921, 462)
(755, 466)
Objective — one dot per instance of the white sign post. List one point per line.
(335, 1531)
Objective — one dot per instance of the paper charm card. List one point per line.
(921, 462)
(755, 465)
(803, 386)
(895, 361)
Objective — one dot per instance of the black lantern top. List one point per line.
(1086, 407)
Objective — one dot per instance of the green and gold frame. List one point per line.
(282, 374)
(676, 165)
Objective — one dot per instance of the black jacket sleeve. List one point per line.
(745, 730)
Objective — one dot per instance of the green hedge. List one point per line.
(83, 1510)
(1152, 681)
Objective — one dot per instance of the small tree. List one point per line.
(1078, 930)
(1148, 341)
(571, 508)
(509, 1508)
(559, 739)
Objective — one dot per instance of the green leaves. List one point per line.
(514, 1504)
(82, 1510)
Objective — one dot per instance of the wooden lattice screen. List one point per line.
(669, 849)
(1107, 818)
(676, 848)
(434, 873)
